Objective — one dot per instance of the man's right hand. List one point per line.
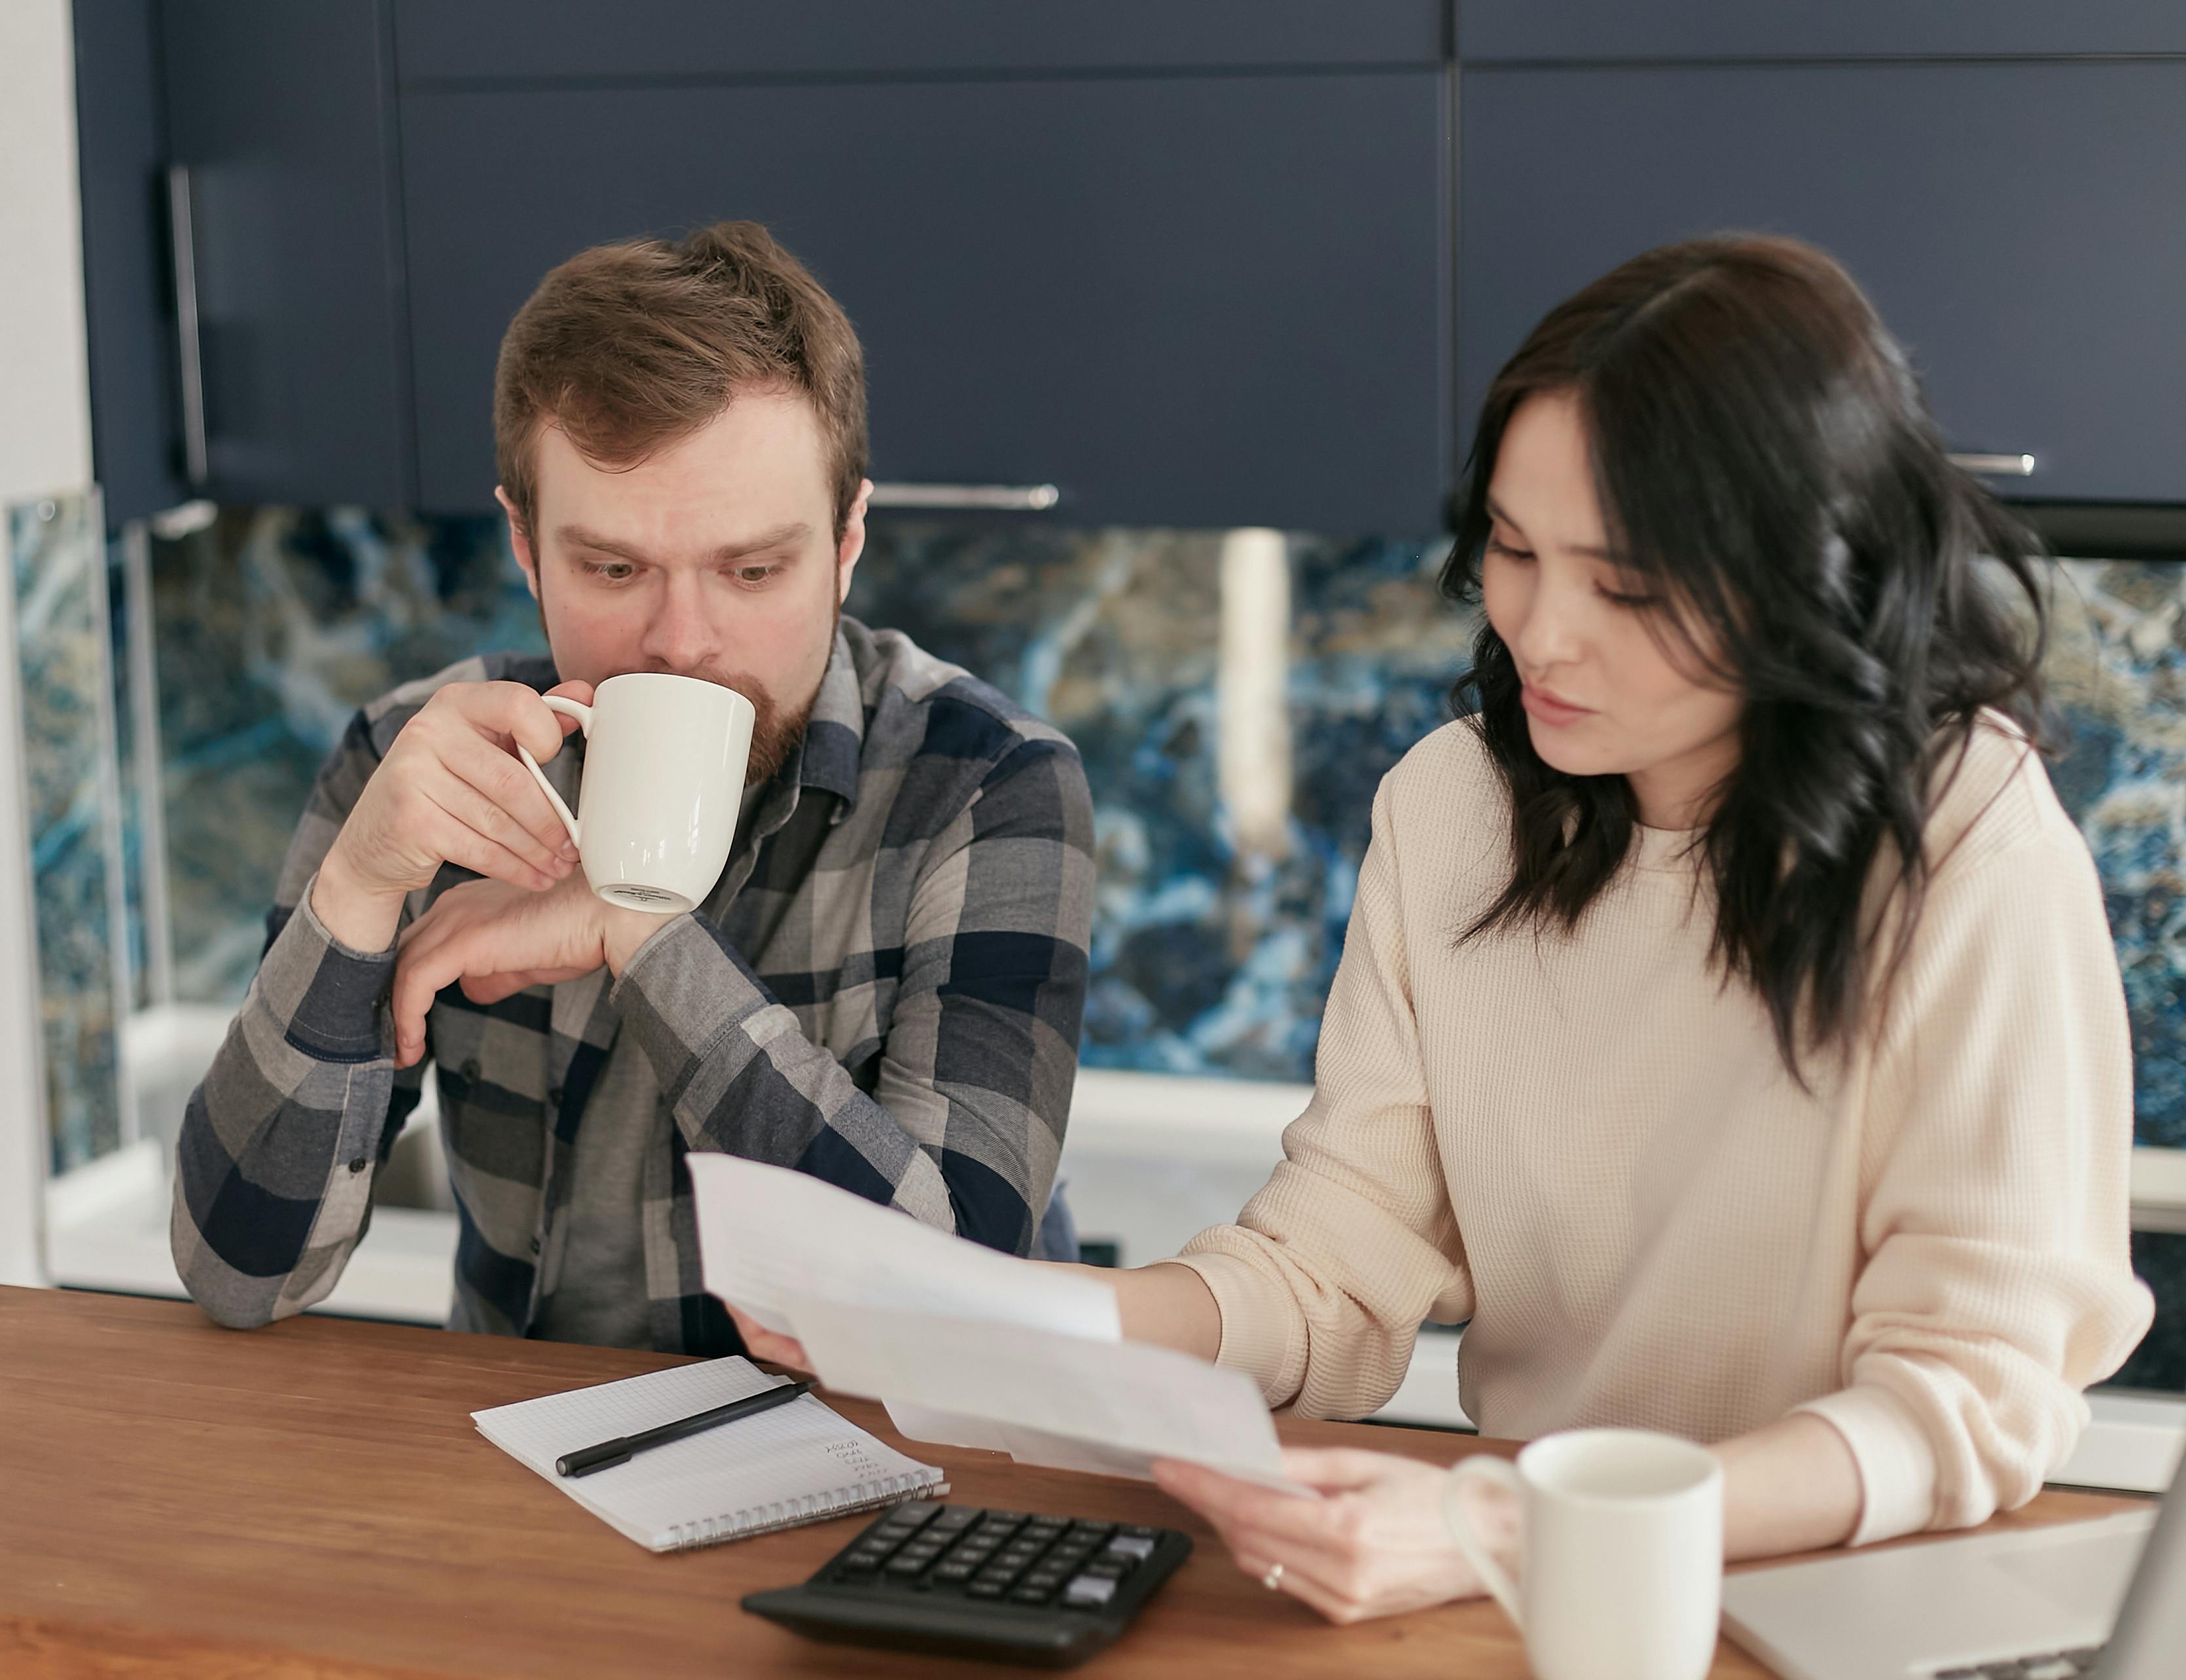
(450, 790)
(775, 1349)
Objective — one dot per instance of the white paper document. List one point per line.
(768, 1235)
(966, 1346)
(1111, 1407)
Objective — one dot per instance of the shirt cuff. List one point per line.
(327, 995)
(1897, 1460)
(1260, 1335)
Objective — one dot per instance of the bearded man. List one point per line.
(884, 989)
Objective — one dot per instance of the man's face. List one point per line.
(714, 558)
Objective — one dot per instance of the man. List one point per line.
(884, 987)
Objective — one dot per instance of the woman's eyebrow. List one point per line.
(1495, 513)
(1587, 550)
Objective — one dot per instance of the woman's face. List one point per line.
(1608, 688)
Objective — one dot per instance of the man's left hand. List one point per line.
(498, 939)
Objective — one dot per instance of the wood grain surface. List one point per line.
(311, 1501)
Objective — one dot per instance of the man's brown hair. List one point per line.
(630, 346)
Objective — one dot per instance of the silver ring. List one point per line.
(1272, 1580)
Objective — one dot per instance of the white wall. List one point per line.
(45, 450)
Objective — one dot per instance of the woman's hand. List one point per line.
(761, 1343)
(1374, 1543)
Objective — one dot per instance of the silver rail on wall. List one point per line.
(957, 498)
(1996, 466)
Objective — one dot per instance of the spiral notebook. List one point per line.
(797, 1464)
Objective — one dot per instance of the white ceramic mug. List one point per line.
(1622, 1577)
(665, 759)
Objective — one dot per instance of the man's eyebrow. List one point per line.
(1496, 511)
(782, 536)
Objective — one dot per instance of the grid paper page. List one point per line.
(795, 1464)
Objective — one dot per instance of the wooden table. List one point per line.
(312, 1500)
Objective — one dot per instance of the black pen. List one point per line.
(587, 1459)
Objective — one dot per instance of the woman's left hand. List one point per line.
(1373, 1544)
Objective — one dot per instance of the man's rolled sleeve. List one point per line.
(273, 1185)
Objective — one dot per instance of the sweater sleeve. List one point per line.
(1995, 1284)
(1325, 1277)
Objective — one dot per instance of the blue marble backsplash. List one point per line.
(72, 809)
(1210, 956)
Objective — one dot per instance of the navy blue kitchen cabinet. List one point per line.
(1658, 31)
(1188, 264)
(2019, 219)
(1183, 300)
(1193, 262)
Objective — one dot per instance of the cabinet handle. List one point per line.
(1002, 498)
(1998, 465)
(182, 241)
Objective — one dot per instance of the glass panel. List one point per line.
(74, 817)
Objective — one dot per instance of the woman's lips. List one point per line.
(1549, 709)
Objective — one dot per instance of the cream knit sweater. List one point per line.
(1588, 1147)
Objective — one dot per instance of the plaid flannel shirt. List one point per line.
(883, 990)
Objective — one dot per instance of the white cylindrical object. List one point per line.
(665, 759)
(1251, 691)
(1622, 1571)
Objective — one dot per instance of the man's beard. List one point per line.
(773, 737)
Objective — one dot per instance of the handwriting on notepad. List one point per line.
(853, 1456)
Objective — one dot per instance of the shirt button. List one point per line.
(554, 1097)
(471, 1069)
(535, 1246)
(357, 1165)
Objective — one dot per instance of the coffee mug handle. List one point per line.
(1481, 1467)
(583, 714)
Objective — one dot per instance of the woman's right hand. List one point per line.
(768, 1346)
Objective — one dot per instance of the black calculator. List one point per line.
(1009, 1585)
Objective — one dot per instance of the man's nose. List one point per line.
(682, 636)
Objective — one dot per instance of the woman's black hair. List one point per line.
(1765, 463)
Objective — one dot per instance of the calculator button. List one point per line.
(1004, 1573)
(923, 1552)
(1140, 1531)
(1094, 1532)
(952, 1571)
(1134, 1546)
(1089, 1589)
(1013, 1518)
(866, 1564)
(955, 1517)
(903, 1566)
(1031, 1595)
(985, 1589)
(1048, 1578)
(915, 1512)
(1111, 1568)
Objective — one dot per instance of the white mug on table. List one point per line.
(665, 759)
(1622, 1577)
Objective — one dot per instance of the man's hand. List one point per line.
(1374, 1543)
(765, 1344)
(498, 939)
(450, 790)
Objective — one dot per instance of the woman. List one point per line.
(1728, 1028)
